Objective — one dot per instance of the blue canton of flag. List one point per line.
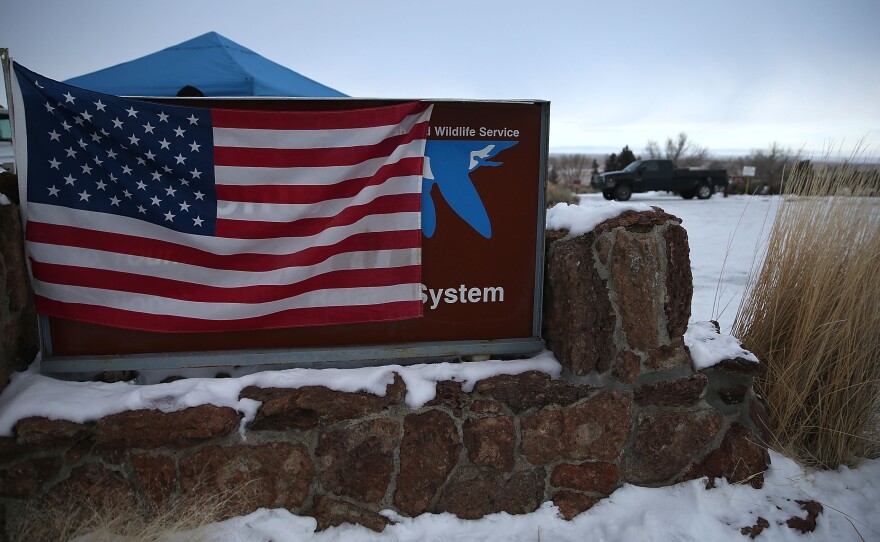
(131, 158)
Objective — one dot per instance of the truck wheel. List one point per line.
(689, 194)
(704, 191)
(622, 192)
(608, 195)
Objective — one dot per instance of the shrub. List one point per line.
(812, 314)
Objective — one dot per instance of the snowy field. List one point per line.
(724, 235)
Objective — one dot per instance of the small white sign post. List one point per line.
(748, 171)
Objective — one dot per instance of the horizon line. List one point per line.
(599, 150)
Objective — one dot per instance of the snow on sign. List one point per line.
(480, 223)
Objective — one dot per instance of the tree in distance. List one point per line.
(571, 168)
(681, 150)
(616, 162)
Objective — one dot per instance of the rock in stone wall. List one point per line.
(618, 298)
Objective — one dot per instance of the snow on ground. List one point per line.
(724, 236)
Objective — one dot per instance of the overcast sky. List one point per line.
(734, 75)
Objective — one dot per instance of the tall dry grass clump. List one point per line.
(118, 518)
(812, 314)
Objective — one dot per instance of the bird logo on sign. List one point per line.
(448, 164)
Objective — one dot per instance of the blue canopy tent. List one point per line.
(211, 63)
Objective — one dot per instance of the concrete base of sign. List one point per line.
(629, 409)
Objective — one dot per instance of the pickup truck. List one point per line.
(646, 175)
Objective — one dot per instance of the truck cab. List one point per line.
(653, 174)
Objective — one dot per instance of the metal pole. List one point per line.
(7, 80)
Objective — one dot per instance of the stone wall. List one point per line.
(628, 409)
(19, 340)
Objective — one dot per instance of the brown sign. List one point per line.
(482, 214)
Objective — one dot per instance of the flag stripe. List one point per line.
(345, 156)
(315, 193)
(292, 212)
(315, 120)
(329, 175)
(187, 291)
(149, 304)
(98, 314)
(162, 250)
(48, 215)
(288, 138)
(305, 227)
(225, 278)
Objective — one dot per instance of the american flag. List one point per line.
(183, 219)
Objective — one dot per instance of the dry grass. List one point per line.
(559, 193)
(117, 520)
(812, 314)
